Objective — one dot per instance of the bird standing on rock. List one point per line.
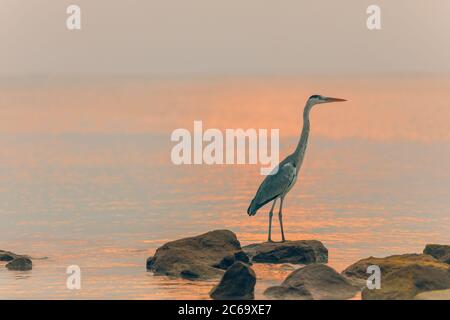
(277, 185)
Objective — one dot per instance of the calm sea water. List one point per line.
(86, 177)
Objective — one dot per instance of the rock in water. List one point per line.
(406, 283)
(297, 252)
(438, 251)
(389, 264)
(238, 283)
(402, 276)
(20, 264)
(195, 257)
(7, 256)
(227, 261)
(314, 281)
(15, 261)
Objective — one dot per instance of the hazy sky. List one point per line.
(224, 37)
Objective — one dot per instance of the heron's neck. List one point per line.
(301, 147)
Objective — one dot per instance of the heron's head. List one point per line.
(318, 99)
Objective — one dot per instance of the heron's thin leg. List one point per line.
(280, 217)
(270, 220)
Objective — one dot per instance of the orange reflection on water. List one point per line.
(379, 108)
(87, 177)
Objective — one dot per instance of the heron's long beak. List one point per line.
(330, 99)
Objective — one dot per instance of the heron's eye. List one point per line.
(315, 97)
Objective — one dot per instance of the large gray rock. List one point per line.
(402, 276)
(438, 251)
(314, 282)
(297, 252)
(20, 264)
(195, 257)
(238, 283)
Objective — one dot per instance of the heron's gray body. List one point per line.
(277, 185)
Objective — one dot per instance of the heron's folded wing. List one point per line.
(275, 185)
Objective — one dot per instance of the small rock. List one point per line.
(227, 261)
(438, 251)
(7, 256)
(238, 283)
(20, 264)
(314, 282)
(195, 257)
(242, 257)
(434, 295)
(296, 252)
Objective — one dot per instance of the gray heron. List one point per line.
(277, 185)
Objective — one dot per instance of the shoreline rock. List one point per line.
(15, 261)
(295, 252)
(389, 264)
(197, 257)
(218, 253)
(314, 282)
(402, 276)
(20, 264)
(237, 283)
(406, 283)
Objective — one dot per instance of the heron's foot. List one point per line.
(270, 240)
(283, 240)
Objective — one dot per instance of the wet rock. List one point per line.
(195, 257)
(227, 261)
(434, 295)
(7, 256)
(402, 276)
(314, 282)
(238, 283)
(296, 252)
(20, 264)
(15, 261)
(439, 251)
